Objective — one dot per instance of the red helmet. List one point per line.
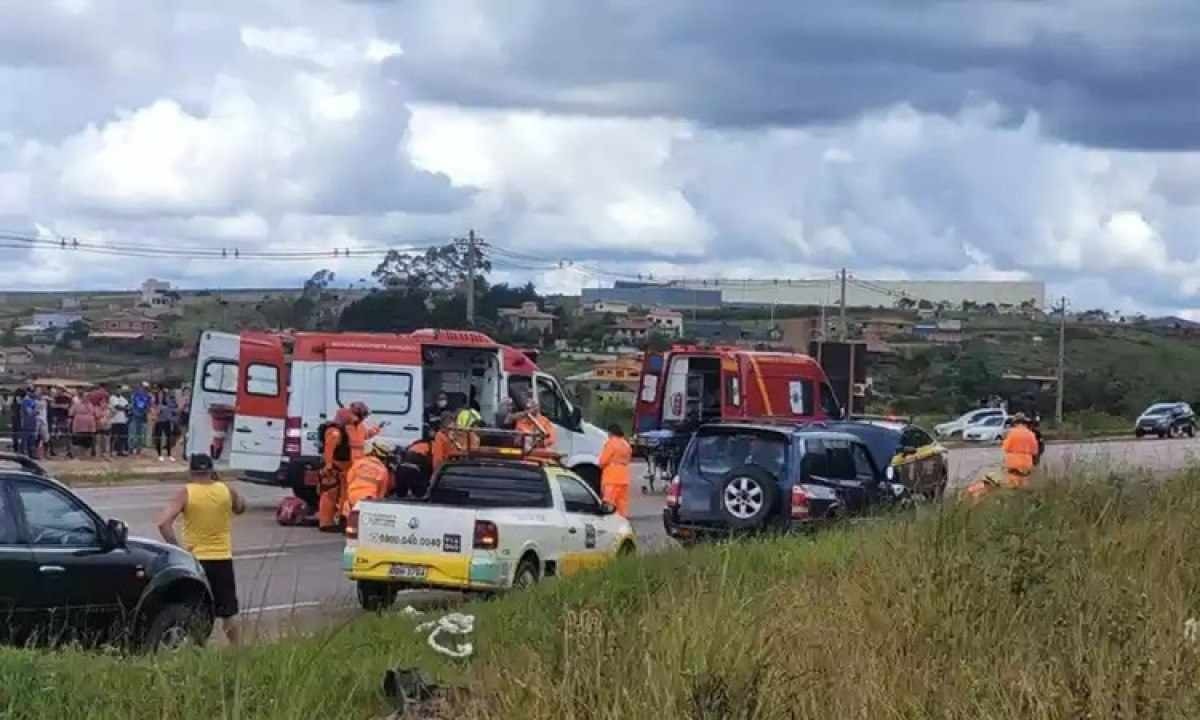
(360, 409)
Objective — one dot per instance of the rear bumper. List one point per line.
(291, 473)
(442, 572)
(690, 532)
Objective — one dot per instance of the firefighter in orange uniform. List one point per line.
(533, 422)
(614, 470)
(454, 438)
(369, 476)
(336, 457)
(359, 431)
(1020, 451)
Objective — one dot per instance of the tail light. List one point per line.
(352, 525)
(800, 510)
(487, 537)
(674, 492)
(291, 437)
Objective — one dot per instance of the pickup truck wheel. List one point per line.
(1139, 433)
(176, 626)
(749, 495)
(1190, 430)
(526, 575)
(375, 596)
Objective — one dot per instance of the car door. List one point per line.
(17, 573)
(834, 463)
(585, 537)
(921, 463)
(258, 427)
(84, 586)
(559, 411)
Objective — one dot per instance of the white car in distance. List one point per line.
(990, 430)
(974, 417)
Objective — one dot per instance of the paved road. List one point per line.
(284, 568)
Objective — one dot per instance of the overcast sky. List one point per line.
(953, 139)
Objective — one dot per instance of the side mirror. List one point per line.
(118, 533)
(576, 418)
(607, 508)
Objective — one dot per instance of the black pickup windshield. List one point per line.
(485, 486)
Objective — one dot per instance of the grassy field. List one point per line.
(1068, 602)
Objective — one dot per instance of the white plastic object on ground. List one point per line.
(455, 624)
(411, 611)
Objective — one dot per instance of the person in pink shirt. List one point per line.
(83, 426)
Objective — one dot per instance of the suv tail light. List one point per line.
(674, 492)
(800, 510)
(352, 525)
(487, 537)
(291, 437)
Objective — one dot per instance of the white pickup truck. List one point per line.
(486, 525)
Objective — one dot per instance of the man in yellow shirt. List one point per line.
(208, 506)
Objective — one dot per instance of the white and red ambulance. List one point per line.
(258, 399)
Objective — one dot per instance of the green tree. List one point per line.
(438, 268)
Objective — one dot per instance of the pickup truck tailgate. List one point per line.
(418, 542)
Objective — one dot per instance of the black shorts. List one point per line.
(224, 586)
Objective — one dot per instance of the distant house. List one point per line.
(528, 319)
(607, 307)
(667, 322)
(55, 319)
(885, 327)
(611, 380)
(14, 357)
(1173, 325)
(125, 323)
(158, 298)
(631, 330)
(943, 332)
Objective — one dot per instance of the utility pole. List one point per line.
(842, 321)
(471, 245)
(1062, 361)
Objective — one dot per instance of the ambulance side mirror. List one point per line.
(576, 419)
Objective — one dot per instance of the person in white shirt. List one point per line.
(118, 406)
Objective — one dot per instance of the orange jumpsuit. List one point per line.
(448, 443)
(333, 478)
(360, 433)
(614, 473)
(532, 424)
(368, 478)
(1020, 448)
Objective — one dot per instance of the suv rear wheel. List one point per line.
(749, 494)
(375, 596)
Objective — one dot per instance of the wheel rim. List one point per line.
(743, 497)
(524, 578)
(174, 638)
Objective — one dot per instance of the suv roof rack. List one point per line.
(28, 464)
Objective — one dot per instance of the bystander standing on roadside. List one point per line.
(118, 406)
(103, 415)
(43, 425)
(29, 422)
(83, 427)
(184, 398)
(60, 415)
(165, 422)
(14, 420)
(139, 412)
(208, 506)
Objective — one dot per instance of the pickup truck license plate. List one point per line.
(408, 572)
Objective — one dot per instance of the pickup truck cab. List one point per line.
(486, 525)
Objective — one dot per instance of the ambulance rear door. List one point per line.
(648, 413)
(258, 428)
(214, 396)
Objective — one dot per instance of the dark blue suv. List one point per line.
(750, 477)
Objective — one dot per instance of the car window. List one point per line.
(55, 519)
(385, 393)
(829, 459)
(577, 497)
(8, 519)
(718, 453)
(829, 402)
(993, 421)
(491, 487)
(220, 376)
(551, 401)
(863, 469)
(915, 437)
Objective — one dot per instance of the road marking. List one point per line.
(260, 556)
(285, 606)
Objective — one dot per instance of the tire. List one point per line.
(308, 494)
(748, 497)
(590, 474)
(1139, 433)
(175, 626)
(375, 596)
(526, 575)
(1162, 435)
(627, 549)
(1190, 431)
